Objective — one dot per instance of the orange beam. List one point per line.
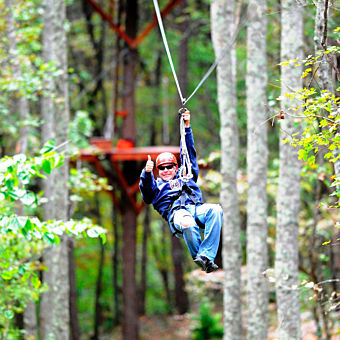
(133, 43)
(109, 19)
(150, 26)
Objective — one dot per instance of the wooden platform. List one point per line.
(104, 150)
(131, 154)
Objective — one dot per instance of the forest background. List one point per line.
(69, 80)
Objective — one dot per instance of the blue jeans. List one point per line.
(211, 215)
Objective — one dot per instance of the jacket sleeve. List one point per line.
(189, 140)
(148, 186)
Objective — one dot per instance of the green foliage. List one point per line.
(80, 130)
(320, 120)
(23, 238)
(30, 81)
(209, 324)
(84, 184)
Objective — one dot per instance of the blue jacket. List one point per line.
(163, 195)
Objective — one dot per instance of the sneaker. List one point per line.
(201, 261)
(211, 267)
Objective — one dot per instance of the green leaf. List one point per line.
(47, 166)
(28, 199)
(36, 283)
(6, 275)
(103, 237)
(48, 147)
(9, 314)
(323, 123)
(27, 227)
(303, 154)
(95, 232)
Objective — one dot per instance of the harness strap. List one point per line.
(181, 194)
(185, 171)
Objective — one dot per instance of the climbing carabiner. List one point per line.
(181, 111)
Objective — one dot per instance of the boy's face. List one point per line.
(167, 171)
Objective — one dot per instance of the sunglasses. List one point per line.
(163, 167)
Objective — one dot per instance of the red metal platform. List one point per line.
(117, 156)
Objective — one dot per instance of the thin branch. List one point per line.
(309, 116)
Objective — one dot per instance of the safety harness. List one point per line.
(182, 195)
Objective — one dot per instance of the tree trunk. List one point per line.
(223, 29)
(130, 299)
(30, 321)
(324, 70)
(75, 328)
(183, 54)
(20, 106)
(61, 281)
(110, 125)
(129, 77)
(288, 198)
(47, 133)
(257, 155)
(56, 321)
(98, 307)
(325, 82)
(129, 217)
(142, 286)
(116, 288)
(181, 296)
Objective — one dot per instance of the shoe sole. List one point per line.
(211, 269)
(201, 264)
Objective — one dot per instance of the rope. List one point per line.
(217, 60)
(185, 172)
(212, 67)
(160, 23)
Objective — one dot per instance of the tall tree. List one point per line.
(20, 108)
(181, 296)
(47, 133)
(129, 216)
(257, 155)
(288, 198)
(325, 82)
(223, 31)
(61, 282)
(20, 105)
(57, 324)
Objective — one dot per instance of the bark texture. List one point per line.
(61, 281)
(20, 103)
(181, 296)
(223, 30)
(56, 325)
(47, 133)
(257, 161)
(129, 217)
(326, 83)
(324, 70)
(20, 107)
(288, 199)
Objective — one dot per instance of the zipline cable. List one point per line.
(160, 23)
(212, 67)
(217, 60)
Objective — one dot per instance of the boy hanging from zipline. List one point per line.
(178, 199)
